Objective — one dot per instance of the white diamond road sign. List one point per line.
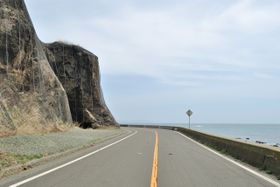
(189, 113)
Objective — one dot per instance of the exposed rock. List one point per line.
(7, 126)
(26, 78)
(78, 71)
(30, 92)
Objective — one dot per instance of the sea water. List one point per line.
(269, 133)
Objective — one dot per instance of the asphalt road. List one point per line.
(129, 163)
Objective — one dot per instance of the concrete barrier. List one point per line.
(149, 126)
(259, 156)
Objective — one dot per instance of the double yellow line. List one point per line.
(155, 163)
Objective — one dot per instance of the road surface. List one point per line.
(132, 162)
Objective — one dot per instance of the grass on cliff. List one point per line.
(26, 112)
(29, 121)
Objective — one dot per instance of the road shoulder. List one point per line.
(22, 170)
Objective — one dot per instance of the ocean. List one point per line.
(269, 133)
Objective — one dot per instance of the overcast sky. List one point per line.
(159, 58)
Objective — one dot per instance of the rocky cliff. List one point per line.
(31, 94)
(78, 71)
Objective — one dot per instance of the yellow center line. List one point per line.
(155, 163)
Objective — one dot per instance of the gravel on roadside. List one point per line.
(54, 142)
(21, 149)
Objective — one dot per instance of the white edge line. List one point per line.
(234, 162)
(71, 162)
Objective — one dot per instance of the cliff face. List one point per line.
(31, 95)
(78, 71)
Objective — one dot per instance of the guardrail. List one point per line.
(149, 126)
(262, 157)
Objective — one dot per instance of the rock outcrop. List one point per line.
(78, 71)
(31, 94)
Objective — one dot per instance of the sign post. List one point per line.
(189, 113)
